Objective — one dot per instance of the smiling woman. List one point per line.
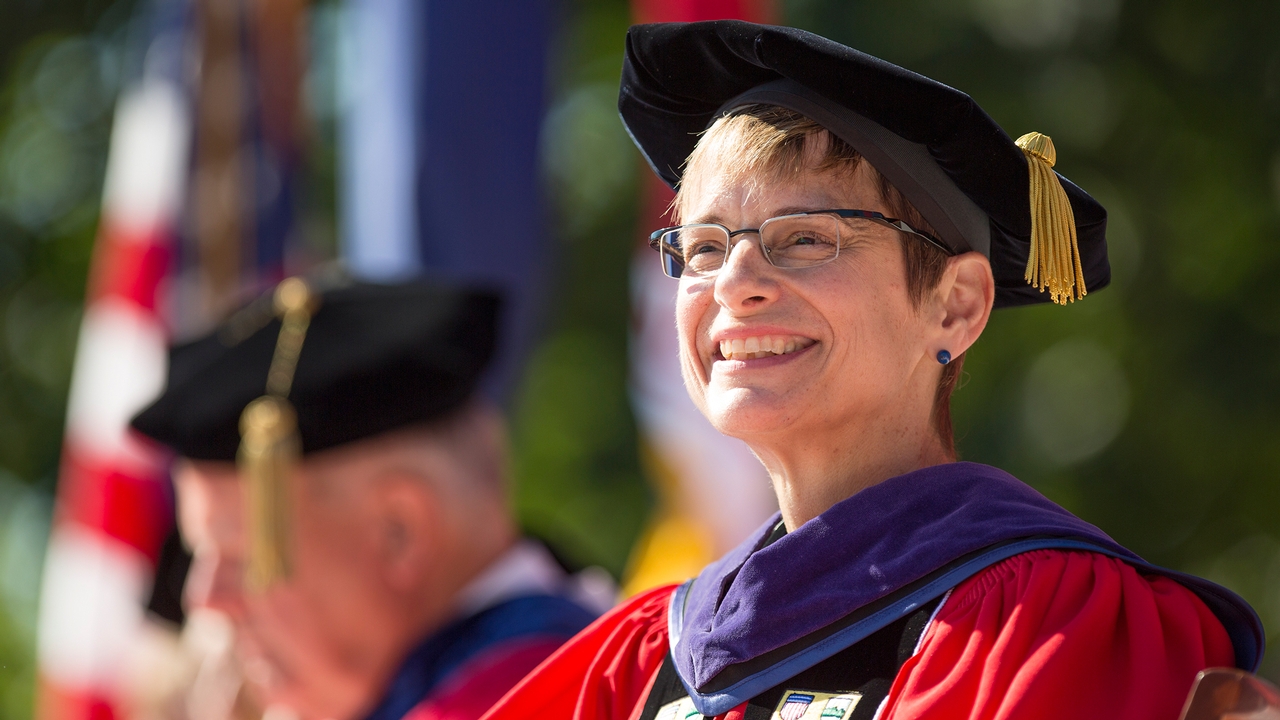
(778, 160)
(848, 227)
(852, 403)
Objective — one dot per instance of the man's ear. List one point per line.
(965, 296)
(407, 527)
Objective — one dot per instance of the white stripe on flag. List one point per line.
(146, 169)
(90, 607)
(120, 366)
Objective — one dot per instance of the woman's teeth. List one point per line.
(763, 346)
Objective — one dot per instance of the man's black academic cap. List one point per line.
(968, 178)
(375, 358)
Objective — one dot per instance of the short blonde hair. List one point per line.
(771, 144)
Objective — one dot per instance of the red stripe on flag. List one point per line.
(131, 505)
(655, 203)
(130, 267)
(56, 702)
(761, 11)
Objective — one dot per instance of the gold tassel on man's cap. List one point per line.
(1054, 258)
(270, 445)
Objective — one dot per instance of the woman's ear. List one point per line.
(966, 294)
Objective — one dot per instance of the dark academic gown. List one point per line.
(462, 669)
(951, 592)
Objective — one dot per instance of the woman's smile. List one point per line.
(763, 360)
(759, 347)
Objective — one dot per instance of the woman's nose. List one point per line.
(746, 279)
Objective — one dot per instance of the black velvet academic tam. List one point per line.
(375, 358)
(947, 156)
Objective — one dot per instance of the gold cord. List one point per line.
(270, 445)
(1053, 261)
(292, 301)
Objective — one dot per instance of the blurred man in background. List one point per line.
(404, 586)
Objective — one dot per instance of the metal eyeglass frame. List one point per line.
(655, 238)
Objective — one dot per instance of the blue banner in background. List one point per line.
(378, 139)
(440, 151)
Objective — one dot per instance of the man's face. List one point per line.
(211, 516)
(305, 641)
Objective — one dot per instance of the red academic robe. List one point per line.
(1044, 635)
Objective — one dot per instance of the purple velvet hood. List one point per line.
(759, 599)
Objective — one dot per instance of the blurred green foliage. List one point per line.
(1152, 408)
(60, 67)
(579, 482)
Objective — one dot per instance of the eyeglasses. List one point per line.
(789, 241)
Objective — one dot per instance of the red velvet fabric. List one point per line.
(604, 673)
(1052, 634)
(1045, 635)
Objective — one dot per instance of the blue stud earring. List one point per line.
(944, 357)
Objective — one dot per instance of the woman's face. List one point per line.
(853, 345)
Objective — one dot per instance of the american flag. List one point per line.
(795, 706)
(113, 506)
(158, 264)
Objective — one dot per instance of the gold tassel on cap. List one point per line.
(1054, 260)
(270, 445)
